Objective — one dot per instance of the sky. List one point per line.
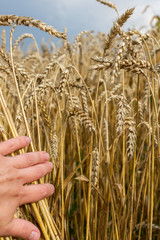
(77, 15)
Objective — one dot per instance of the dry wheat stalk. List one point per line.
(3, 44)
(78, 38)
(95, 166)
(30, 58)
(18, 67)
(9, 20)
(84, 100)
(5, 69)
(145, 96)
(21, 70)
(54, 61)
(5, 57)
(54, 145)
(74, 123)
(140, 111)
(63, 82)
(131, 136)
(74, 103)
(84, 119)
(113, 32)
(134, 64)
(99, 67)
(46, 116)
(101, 96)
(115, 89)
(49, 68)
(105, 132)
(42, 94)
(150, 131)
(123, 110)
(117, 60)
(109, 4)
(22, 37)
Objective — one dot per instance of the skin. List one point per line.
(15, 172)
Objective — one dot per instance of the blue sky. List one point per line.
(77, 15)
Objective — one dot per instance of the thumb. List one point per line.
(23, 229)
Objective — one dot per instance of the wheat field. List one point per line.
(94, 106)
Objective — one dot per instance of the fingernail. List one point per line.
(28, 140)
(51, 164)
(46, 156)
(34, 236)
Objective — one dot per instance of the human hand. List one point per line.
(15, 172)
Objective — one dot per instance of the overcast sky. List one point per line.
(78, 15)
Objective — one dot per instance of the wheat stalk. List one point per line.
(9, 20)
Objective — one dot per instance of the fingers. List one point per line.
(22, 229)
(29, 159)
(36, 172)
(13, 144)
(36, 192)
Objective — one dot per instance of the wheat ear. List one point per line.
(9, 20)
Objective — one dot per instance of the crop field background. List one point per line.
(94, 106)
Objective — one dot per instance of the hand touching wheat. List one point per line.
(15, 172)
